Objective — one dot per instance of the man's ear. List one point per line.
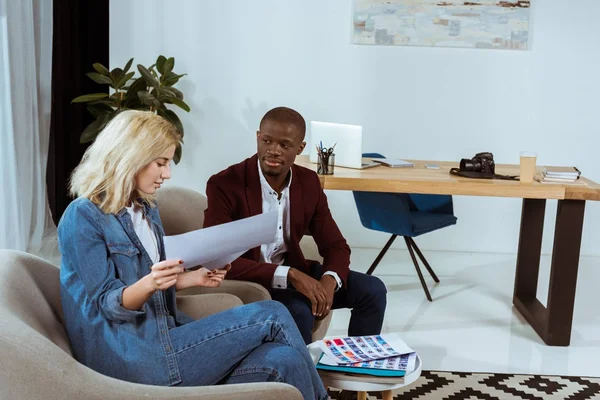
(257, 134)
(301, 149)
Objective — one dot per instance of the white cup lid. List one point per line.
(528, 154)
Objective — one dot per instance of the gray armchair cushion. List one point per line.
(35, 357)
(181, 209)
(247, 292)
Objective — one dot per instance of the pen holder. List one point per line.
(325, 164)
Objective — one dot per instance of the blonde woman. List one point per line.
(118, 290)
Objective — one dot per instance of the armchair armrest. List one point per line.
(60, 376)
(248, 292)
(202, 305)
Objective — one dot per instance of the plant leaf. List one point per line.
(178, 102)
(100, 108)
(116, 75)
(164, 92)
(160, 64)
(89, 97)
(101, 69)
(168, 67)
(127, 66)
(96, 77)
(172, 79)
(107, 101)
(147, 75)
(178, 153)
(172, 118)
(124, 80)
(148, 98)
(131, 97)
(92, 130)
(177, 92)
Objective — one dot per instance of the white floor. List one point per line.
(471, 324)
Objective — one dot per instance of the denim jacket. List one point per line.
(101, 255)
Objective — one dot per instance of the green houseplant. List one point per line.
(152, 91)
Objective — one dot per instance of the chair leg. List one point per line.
(414, 259)
(422, 257)
(381, 254)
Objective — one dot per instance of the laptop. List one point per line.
(347, 140)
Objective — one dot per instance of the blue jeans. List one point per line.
(258, 342)
(364, 294)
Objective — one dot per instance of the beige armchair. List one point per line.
(35, 356)
(182, 210)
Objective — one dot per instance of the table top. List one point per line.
(419, 179)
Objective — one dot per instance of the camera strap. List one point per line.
(481, 175)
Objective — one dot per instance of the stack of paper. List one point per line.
(379, 355)
(564, 175)
(393, 162)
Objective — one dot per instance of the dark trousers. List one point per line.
(364, 294)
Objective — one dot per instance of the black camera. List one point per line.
(482, 162)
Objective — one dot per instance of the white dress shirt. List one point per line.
(274, 253)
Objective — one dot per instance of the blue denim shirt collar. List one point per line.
(151, 213)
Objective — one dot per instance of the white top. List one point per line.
(274, 253)
(142, 228)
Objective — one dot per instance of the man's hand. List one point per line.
(329, 284)
(311, 288)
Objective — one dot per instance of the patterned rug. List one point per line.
(462, 386)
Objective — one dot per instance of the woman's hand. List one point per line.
(202, 277)
(163, 275)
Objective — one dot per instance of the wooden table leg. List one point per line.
(387, 395)
(362, 395)
(553, 323)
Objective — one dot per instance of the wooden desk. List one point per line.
(553, 323)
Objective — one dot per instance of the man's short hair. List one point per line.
(285, 115)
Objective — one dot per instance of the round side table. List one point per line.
(364, 383)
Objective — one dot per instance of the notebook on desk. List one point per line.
(347, 140)
(393, 162)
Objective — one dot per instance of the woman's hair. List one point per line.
(107, 171)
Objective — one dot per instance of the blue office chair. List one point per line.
(406, 215)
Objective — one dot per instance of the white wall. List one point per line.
(245, 57)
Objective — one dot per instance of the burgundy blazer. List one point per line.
(235, 193)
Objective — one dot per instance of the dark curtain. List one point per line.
(80, 38)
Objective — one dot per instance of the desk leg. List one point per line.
(387, 395)
(362, 396)
(552, 323)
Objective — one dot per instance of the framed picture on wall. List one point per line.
(482, 24)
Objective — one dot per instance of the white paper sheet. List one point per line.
(219, 245)
(359, 349)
